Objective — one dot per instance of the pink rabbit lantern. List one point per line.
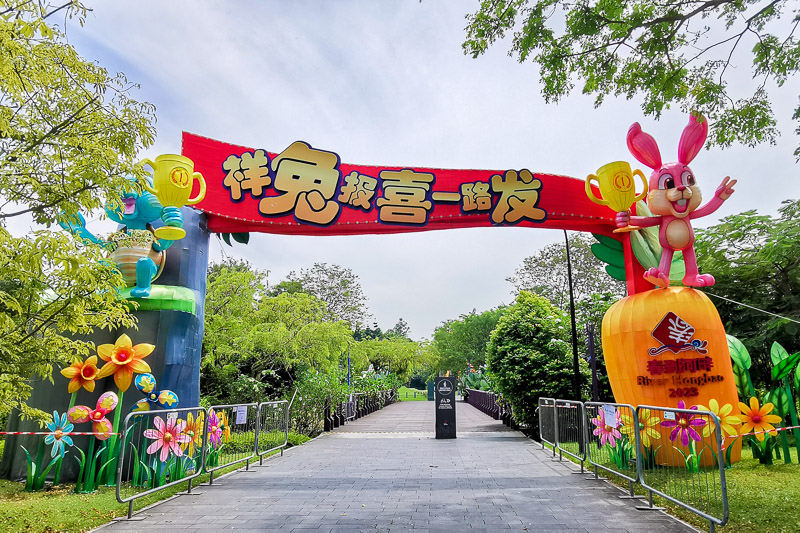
(675, 197)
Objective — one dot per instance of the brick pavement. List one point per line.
(386, 472)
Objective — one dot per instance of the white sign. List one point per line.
(241, 414)
(172, 416)
(669, 415)
(610, 413)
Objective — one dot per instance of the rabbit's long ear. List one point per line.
(643, 147)
(693, 137)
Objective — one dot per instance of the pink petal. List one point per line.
(153, 448)
(697, 422)
(164, 453)
(611, 440)
(685, 437)
(183, 438)
(176, 448)
(674, 434)
(681, 405)
(159, 423)
(669, 423)
(152, 434)
(693, 434)
(616, 433)
(180, 426)
(598, 431)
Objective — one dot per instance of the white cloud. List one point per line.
(387, 83)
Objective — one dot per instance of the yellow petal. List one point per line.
(91, 360)
(74, 385)
(123, 378)
(143, 350)
(767, 409)
(726, 409)
(70, 372)
(747, 427)
(772, 419)
(105, 351)
(123, 342)
(89, 385)
(744, 408)
(714, 405)
(106, 370)
(139, 366)
(753, 403)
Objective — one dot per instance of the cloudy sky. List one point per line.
(386, 83)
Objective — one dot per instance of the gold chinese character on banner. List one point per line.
(309, 178)
(405, 196)
(476, 196)
(519, 195)
(358, 190)
(248, 172)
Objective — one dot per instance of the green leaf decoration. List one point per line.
(780, 399)
(43, 476)
(608, 242)
(777, 353)
(31, 470)
(618, 273)
(740, 377)
(242, 238)
(797, 380)
(227, 238)
(785, 367)
(610, 251)
(739, 353)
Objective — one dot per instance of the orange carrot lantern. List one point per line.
(667, 347)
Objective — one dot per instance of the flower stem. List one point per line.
(111, 471)
(57, 475)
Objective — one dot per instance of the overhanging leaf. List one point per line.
(242, 238)
(740, 377)
(780, 399)
(777, 353)
(739, 353)
(785, 367)
(797, 380)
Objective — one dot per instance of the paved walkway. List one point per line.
(386, 472)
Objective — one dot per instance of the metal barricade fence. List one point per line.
(160, 449)
(571, 430)
(680, 460)
(231, 436)
(547, 422)
(611, 440)
(272, 432)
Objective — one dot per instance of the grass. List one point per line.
(761, 498)
(404, 394)
(59, 509)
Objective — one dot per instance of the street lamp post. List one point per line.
(575, 365)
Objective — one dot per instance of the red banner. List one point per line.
(308, 191)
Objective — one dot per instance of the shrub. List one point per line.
(529, 355)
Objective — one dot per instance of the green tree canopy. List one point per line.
(463, 341)
(529, 356)
(756, 260)
(545, 273)
(69, 134)
(335, 285)
(684, 52)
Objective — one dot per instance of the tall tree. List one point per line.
(463, 341)
(756, 261)
(545, 273)
(683, 52)
(338, 287)
(69, 134)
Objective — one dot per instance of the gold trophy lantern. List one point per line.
(617, 190)
(173, 177)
